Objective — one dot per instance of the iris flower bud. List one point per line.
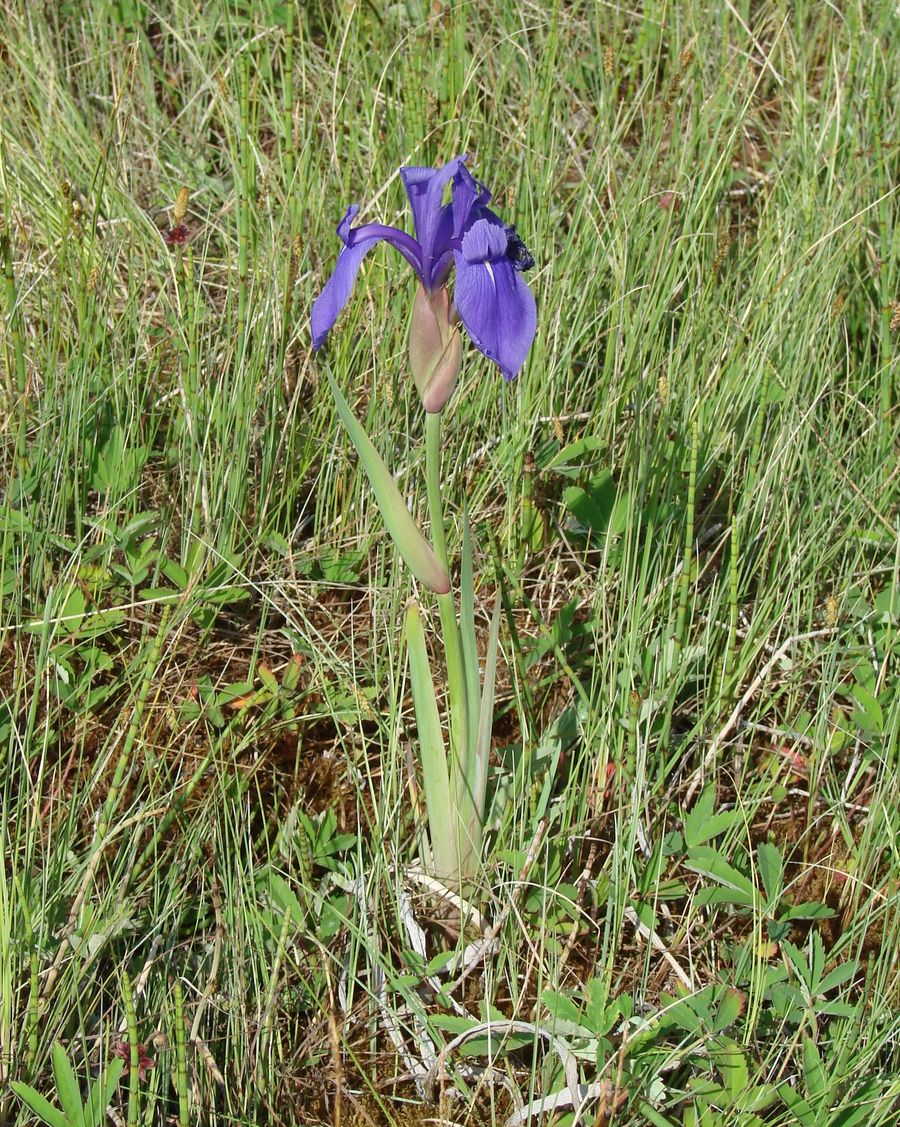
(435, 348)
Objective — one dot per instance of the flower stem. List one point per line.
(456, 675)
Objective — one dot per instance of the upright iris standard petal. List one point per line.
(468, 199)
(357, 243)
(432, 218)
(468, 194)
(493, 301)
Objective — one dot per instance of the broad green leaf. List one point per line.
(768, 860)
(176, 574)
(452, 1023)
(599, 508)
(729, 1059)
(731, 1006)
(887, 604)
(575, 452)
(707, 1089)
(799, 962)
(709, 862)
(439, 962)
(813, 1073)
(67, 1087)
(417, 553)
(101, 622)
(72, 611)
(852, 1116)
(707, 896)
(837, 1009)
(562, 1007)
(778, 931)
(597, 1010)
(808, 911)
(690, 1014)
(101, 1093)
(865, 1098)
(435, 776)
(268, 678)
(41, 1107)
(804, 1114)
(869, 715)
(702, 825)
(485, 1042)
(281, 894)
(837, 977)
(757, 1098)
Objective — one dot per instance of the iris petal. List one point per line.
(468, 193)
(358, 242)
(491, 297)
(433, 219)
(497, 309)
(484, 241)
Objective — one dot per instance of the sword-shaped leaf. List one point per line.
(39, 1104)
(412, 545)
(475, 827)
(441, 809)
(466, 782)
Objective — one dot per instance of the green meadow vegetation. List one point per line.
(215, 907)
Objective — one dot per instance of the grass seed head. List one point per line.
(608, 62)
(723, 246)
(179, 211)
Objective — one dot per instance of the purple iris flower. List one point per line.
(491, 297)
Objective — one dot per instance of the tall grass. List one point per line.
(688, 503)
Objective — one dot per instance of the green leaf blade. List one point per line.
(439, 805)
(67, 1086)
(475, 828)
(768, 860)
(417, 553)
(101, 1093)
(37, 1103)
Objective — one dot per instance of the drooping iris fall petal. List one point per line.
(493, 301)
(358, 242)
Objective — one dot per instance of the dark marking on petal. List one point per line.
(516, 251)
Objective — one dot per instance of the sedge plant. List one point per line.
(493, 303)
